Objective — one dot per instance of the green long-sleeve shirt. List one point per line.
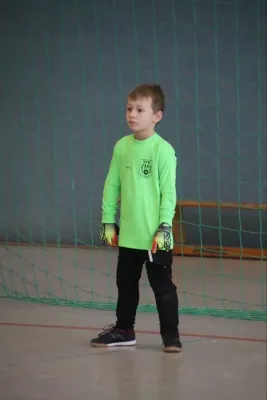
(142, 174)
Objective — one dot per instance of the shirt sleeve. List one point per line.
(167, 182)
(111, 190)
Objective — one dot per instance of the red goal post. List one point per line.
(179, 233)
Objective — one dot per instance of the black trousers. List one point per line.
(129, 270)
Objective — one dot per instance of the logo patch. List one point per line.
(145, 168)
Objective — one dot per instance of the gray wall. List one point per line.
(66, 68)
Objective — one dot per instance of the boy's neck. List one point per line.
(143, 135)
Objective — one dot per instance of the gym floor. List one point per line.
(45, 352)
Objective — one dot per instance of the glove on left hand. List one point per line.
(162, 239)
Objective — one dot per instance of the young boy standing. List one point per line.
(143, 175)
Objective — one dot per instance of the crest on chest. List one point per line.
(145, 167)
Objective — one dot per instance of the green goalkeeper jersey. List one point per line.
(142, 175)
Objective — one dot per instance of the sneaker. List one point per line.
(113, 336)
(172, 345)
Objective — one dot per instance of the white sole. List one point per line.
(130, 343)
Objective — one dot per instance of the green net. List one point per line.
(66, 68)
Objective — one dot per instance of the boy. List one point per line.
(143, 174)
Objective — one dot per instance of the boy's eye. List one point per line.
(139, 110)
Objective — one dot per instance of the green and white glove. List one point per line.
(162, 238)
(109, 234)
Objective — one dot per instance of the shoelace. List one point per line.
(107, 329)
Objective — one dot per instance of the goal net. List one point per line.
(66, 69)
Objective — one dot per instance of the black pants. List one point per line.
(129, 269)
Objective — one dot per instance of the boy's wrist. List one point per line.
(108, 219)
(165, 226)
(166, 218)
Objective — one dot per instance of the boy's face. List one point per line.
(140, 115)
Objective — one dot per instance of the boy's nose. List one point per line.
(132, 113)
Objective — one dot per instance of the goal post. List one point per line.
(183, 247)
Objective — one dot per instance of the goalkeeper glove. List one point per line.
(162, 239)
(109, 234)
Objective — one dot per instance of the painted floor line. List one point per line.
(146, 332)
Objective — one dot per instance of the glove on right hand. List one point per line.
(109, 234)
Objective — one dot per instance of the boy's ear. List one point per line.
(158, 116)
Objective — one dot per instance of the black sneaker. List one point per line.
(171, 345)
(113, 336)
